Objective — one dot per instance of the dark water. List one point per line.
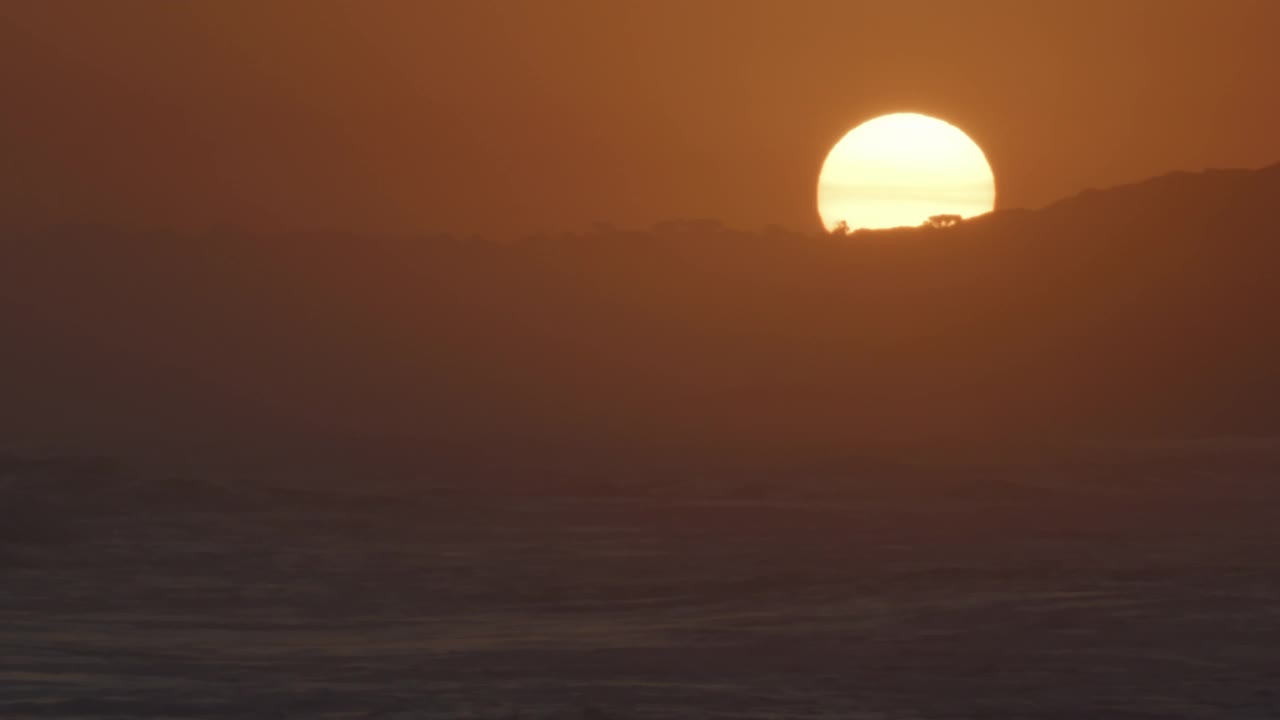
(156, 600)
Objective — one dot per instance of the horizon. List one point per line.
(598, 226)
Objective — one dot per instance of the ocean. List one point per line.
(170, 598)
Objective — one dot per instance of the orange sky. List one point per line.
(505, 116)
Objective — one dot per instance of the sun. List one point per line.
(902, 169)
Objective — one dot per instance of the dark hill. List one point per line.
(1137, 314)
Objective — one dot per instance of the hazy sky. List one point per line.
(510, 116)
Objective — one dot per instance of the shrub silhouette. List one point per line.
(943, 221)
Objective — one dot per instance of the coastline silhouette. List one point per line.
(1131, 315)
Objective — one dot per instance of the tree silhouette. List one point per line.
(943, 221)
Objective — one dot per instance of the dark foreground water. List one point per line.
(168, 599)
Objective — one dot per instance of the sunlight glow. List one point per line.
(901, 169)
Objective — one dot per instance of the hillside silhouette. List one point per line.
(1133, 315)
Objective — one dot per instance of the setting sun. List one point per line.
(901, 169)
